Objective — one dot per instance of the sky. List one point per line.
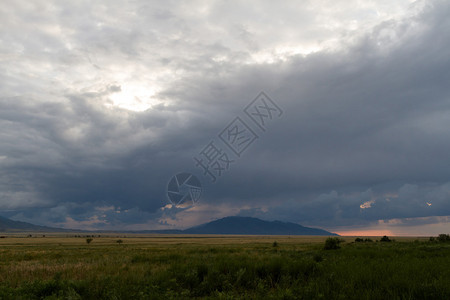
(103, 102)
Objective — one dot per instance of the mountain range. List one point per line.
(8, 225)
(254, 226)
(228, 225)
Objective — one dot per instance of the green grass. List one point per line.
(222, 267)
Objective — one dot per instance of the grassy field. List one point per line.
(223, 267)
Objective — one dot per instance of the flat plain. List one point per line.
(119, 266)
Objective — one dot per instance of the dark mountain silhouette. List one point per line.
(227, 225)
(247, 225)
(8, 225)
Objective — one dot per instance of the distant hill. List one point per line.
(227, 225)
(254, 226)
(8, 225)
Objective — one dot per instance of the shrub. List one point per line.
(443, 237)
(360, 240)
(385, 239)
(119, 242)
(332, 243)
(88, 240)
(275, 244)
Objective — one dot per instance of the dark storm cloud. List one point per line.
(374, 116)
(364, 124)
(411, 202)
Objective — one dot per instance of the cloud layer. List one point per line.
(102, 103)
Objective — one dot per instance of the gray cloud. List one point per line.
(100, 107)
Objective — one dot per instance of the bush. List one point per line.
(332, 243)
(443, 237)
(119, 242)
(275, 244)
(360, 240)
(385, 239)
(89, 240)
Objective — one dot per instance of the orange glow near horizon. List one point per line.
(369, 232)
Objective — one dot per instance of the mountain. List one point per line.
(253, 226)
(227, 225)
(7, 225)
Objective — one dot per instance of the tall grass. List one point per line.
(294, 269)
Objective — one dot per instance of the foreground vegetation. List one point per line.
(223, 267)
